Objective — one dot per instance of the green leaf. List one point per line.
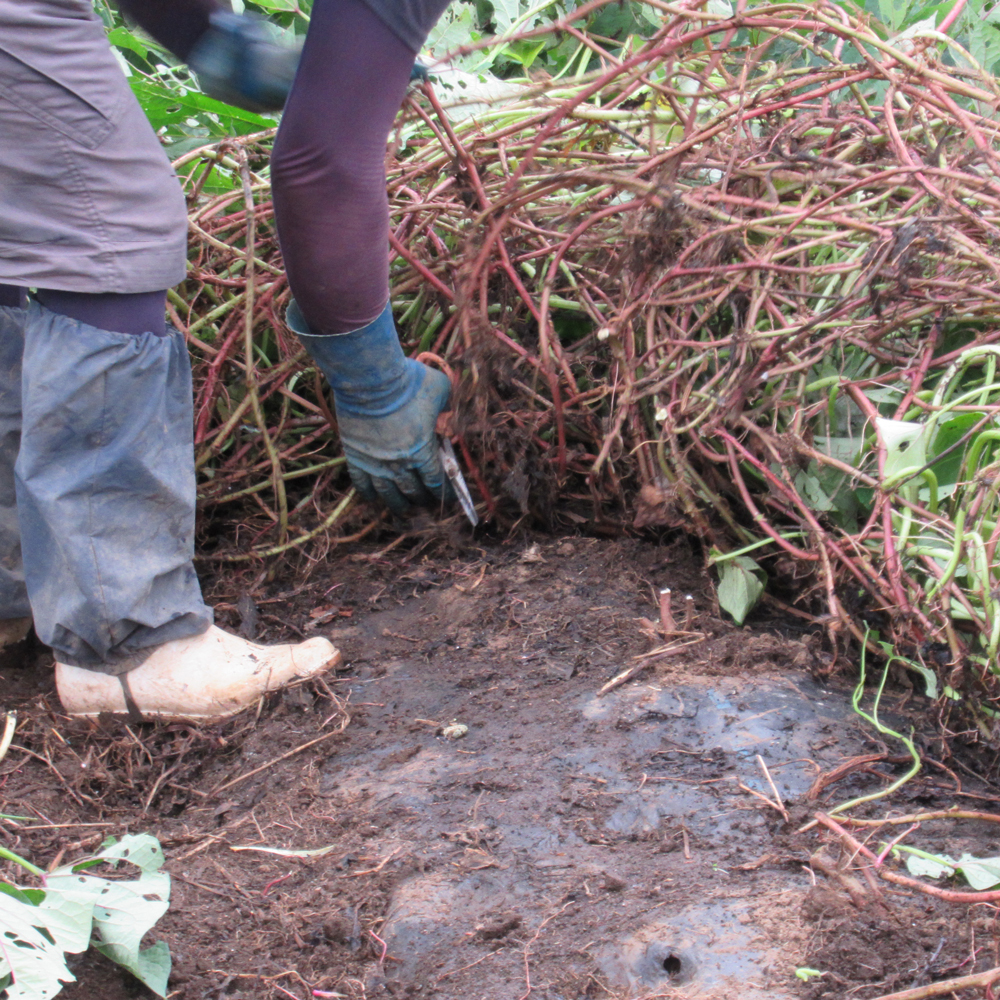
(151, 966)
(845, 449)
(930, 867)
(807, 974)
(504, 14)
(122, 38)
(930, 678)
(980, 873)
(35, 963)
(37, 927)
(525, 52)
(30, 897)
(740, 587)
(142, 850)
(905, 444)
(275, 5)
(124, 911)
(948, 469)
(68, 910)
(809, 487)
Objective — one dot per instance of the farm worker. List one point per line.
(97, 482)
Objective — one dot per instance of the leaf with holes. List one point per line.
(76, 909)
(27, 954)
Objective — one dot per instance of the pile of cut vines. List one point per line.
(739, 277)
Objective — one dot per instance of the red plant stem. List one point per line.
(949, 895)
(916, 378)
(892, 561)
(270, 885)
(758, 517)
(951, 17)
(932, 189)
(428, 275)
(477, 475)
(812, 95)
(208, 392)
(887, 850)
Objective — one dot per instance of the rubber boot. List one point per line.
(207, 677)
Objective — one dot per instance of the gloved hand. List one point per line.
(387, 408)
(238, 61)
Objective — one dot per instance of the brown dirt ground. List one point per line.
(567, 846)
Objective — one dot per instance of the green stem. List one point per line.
(18, 860)
(275, 550)
(884, 730)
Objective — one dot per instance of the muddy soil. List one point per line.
(494, 827)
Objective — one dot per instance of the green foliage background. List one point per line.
(185, 118)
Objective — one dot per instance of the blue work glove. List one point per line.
(387, 408)
(238, 61)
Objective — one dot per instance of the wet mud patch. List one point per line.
(495, 828)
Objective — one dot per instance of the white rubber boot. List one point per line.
(208, 676)
(13, 630)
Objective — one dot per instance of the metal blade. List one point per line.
(454, 473)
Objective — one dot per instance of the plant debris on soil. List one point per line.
(487, 825)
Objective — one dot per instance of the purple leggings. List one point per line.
(328, 166)
(327, 173)
(132, 314)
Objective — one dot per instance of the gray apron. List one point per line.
(88, 199)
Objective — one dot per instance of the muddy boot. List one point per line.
(208, 676)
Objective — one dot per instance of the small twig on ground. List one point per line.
(666, 615)
(777, 795)
(275, 881)
(277, 760)
(669, 649)
(527, 947)
(377, 868)
(760, 795)
(385, 947)
(843, 769)
(924, 817)
(851, 884)
(623, 678)
(644, 660)
(48, 763)
(928, 964)
(464, 968)
(946, 986)
(8, 733)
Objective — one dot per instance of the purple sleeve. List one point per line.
(177, 24)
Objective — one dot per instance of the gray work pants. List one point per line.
(99, 503)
